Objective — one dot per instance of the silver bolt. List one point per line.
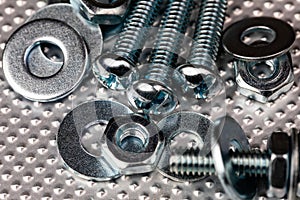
(252, 164)
(200, 74)
(117, 70)
(153, 93)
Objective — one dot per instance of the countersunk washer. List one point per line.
(282, 42)
(190, 123)
(53, 87)
(91, 33)
(232, 136)
(70, 132)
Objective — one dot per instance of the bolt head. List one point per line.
(199, 81)
(152, 97)
(115, 72)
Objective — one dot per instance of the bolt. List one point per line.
(153, 93)
(117, 70)
(251, 164)
(200, 74)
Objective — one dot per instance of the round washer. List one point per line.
(69, 135)
(233, 44)
(174, 124)
(49, 88)
(91, 33)
(232, 136)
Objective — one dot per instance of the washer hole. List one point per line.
(262, 70)
(258, 36)
(132, 137)
(44, 59)
(91, 138)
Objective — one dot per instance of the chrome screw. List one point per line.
(117, 70)
(252, 164)
(199, 76)
(153, 93)
(273, 164)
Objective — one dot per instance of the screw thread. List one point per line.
(169, 39)
(254, 164)
(131, 40)
(192, 165)
(251, 164)
(208, 32)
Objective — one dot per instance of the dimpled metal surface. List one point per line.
(31, 168)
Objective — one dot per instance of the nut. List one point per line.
(265, 80)
(132, 144)
(262, 62)
(101, 12)
(279, 145)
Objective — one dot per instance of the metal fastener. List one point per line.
(199, 77)
(153, 93)
(237, 170)
(65, 12)
(32, 77)
(102, 11)
(117, 70)
(132, 144)
(263, 65)
(70, 135)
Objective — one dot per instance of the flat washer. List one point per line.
(284, 38)
(53, 87)
(188, 122)
(91, 33)
(232, 136)
(69, 134)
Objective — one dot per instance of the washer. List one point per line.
(191, 123)
(70, 132)
(57, 85)
(91, 33)
(283, 36)
(232, 136)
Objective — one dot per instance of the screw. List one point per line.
(200, 74)
(153, 94)
(116, 70)
(252, 164)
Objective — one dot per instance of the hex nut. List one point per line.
(132, 144)
(252, 85)
(260, 48)
(279, 145)
(102, 13)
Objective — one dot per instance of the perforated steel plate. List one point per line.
(31, 168)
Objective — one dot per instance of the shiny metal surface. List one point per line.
(184, 124)
(260, 47)
(44, 87)
(32, 168)
(91, 33)
(108, 13)
(70, 135)
(133, 144)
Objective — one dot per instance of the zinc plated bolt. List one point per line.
(199, 76)
(252, 164)
(153, 93)
(117, 70)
